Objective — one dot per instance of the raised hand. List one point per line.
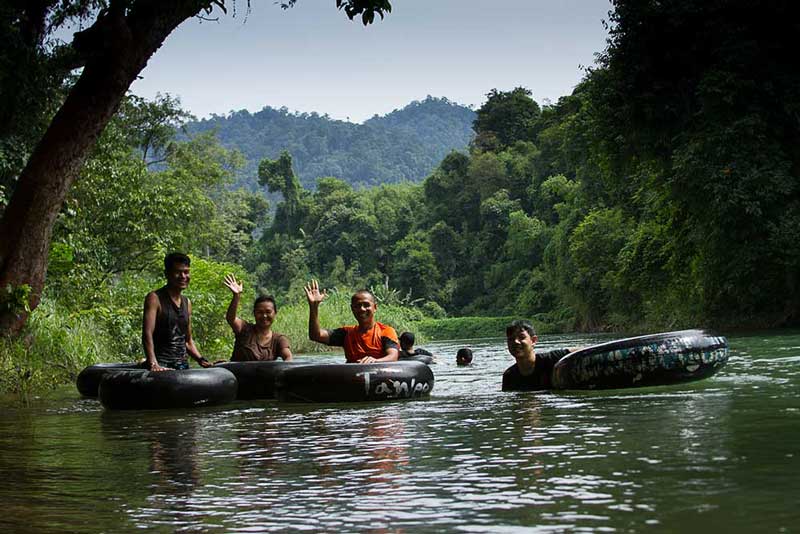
(313, 293)
(233, 285)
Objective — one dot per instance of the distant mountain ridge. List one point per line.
(405, 144)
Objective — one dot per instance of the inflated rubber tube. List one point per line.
(353, 382)
(257, 379)
(653, 360)
(149, 390)
(89, 379)
(424, 358)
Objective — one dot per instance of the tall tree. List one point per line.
(279, 177)
(112, 51)
(506, 117)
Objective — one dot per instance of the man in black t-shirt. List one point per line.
(533, 370)
(407, 349)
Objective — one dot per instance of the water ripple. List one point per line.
(470, 459)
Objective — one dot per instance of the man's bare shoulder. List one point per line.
(151, 299)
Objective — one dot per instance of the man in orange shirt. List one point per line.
(367, 342)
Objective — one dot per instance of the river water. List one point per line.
(717, 455)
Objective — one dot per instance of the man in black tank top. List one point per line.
(167, 321)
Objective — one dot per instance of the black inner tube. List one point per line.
(424, 358)
(353, 382)
(257, 379)
(652, 360)
(147, 390)
(88, 380)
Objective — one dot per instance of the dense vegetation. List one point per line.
(405, 145)
(662, 193)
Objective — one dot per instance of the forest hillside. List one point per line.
(404, 145)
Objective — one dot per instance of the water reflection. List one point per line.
(362, 448)
(262, 439)
(388, 449)
(173, 457)
(172, 448)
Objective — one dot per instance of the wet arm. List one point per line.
(235, 323)
(191, 348)
(315, 333)
(315, 298)
(283, 349)
(390, 354)
(148, 327)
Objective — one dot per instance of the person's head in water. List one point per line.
(363, 305)
(464, 356)
(407, 341)
(521, 338)
(177, 270)
(264, 311)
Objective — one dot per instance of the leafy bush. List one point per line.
(52, 350)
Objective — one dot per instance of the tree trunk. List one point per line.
(117, 48)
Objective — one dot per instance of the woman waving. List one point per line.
(255, 341)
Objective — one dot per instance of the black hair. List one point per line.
(406, 340)
(464, 356)
(520, 324)
(368, 292)
(265, 298)
(175, 257)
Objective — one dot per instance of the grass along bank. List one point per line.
(52, 350)
(481, 327)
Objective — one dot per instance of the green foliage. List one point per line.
(124, 216)
(15, 299)
(132, 214)
(353, 8)
(278, 176)
(52, 349)
(32, 85)
(210, 300)
(505, 118)
(151, 125)
(703, 143)
(239, 215)
(594, 247)
(414, 267)
(526, 239)
(477, 327)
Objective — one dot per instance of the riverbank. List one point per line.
(480, 327)
(52, 349)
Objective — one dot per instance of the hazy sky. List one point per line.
(312, 58)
